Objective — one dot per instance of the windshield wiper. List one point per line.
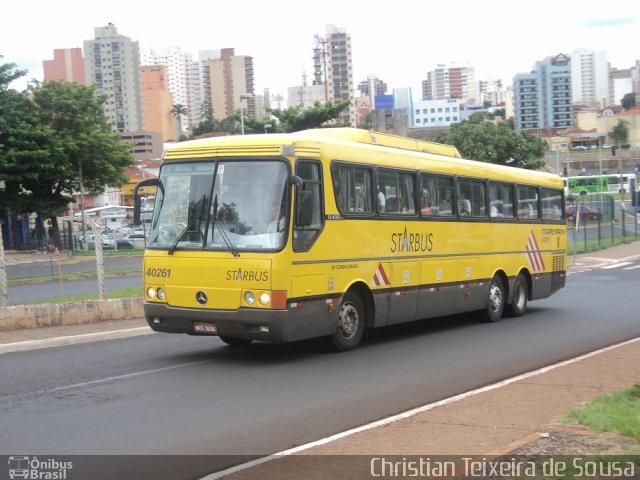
(188, 228)
(234, 250)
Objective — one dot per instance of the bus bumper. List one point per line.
(244, 323)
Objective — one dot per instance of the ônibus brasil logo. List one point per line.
(36, 469)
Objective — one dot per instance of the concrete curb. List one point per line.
(73, 313)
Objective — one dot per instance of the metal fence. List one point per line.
(101, 270)
(51, 276)
(600, 222)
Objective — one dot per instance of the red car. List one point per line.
(585, 212)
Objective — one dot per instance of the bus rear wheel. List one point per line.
(518, 306)
(351, 323)
(235, 342)
(495, 301)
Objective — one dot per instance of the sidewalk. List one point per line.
(491, 422)
(494, 420)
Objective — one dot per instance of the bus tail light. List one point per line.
(279, 299)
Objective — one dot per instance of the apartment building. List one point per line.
(340, 70)
(158, 103)
(589, 77)
(179, 81)
(454, 80)
(67, 66)
(112, 63)
(225, 81)
(542, 98)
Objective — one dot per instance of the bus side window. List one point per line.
(352, 186)
(527, 202)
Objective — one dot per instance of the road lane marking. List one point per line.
(125, 376)
(616, 265)
(411, 413)
(73, 339)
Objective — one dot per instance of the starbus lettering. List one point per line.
(411, 242)
(247, 275)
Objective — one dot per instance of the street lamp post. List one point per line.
(246, 96)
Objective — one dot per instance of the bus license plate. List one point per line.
(206, 328)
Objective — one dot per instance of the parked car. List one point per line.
(585, 212)
(91, 242)
(137, 235)
(109, 243)
(124, 244)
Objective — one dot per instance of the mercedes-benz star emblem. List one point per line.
(201, 297)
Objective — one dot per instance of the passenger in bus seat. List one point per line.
(381, 200)
(465, 207)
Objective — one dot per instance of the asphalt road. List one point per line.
(172, 394)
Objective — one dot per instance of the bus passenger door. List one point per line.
(437, 288)
(404, 294)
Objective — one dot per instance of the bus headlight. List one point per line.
(160, 294)
(265, 299)
(249, 298)
(151, 293)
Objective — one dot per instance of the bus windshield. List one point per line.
(223, 205)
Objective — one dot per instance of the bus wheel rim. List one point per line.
(348, 320)
(495, 298)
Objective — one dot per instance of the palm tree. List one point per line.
(178, 110)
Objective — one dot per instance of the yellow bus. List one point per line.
(331, 232)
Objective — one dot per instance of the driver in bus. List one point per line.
(277, 224)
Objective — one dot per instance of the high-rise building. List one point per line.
(112, 63)
(451, 81)
(589, 77)
(225, 81)
(340, 70)
(372, 87)
(179, 71)
(620, 83)
(67, 66)
(542, 98)
(158, 102)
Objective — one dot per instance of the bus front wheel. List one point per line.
(495, 300)
(351, 323)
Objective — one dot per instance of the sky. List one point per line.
(398, 42)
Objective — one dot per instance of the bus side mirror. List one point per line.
(304, 203)
(304, 211)
(137, 199)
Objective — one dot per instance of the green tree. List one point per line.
(60, 136)
(178, 110)
(8, 73)
(296, 118)
(25, 143)
(629, 101)
(479, 139)
(620, 132)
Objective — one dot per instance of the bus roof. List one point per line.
(217, 145)
(442, 158)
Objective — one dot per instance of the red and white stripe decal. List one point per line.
(380, 277)
(533, 254)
